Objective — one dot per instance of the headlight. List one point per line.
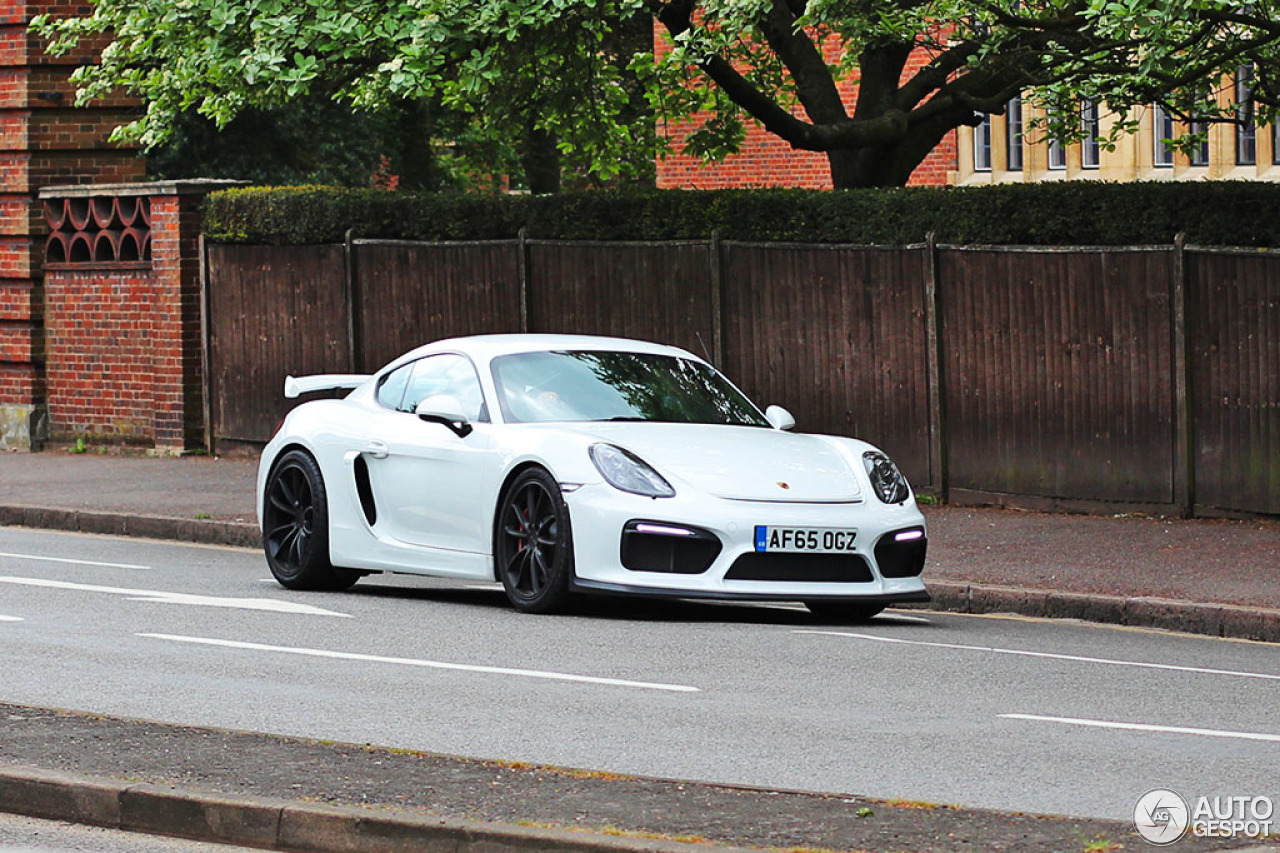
(886, 480)
(626, 471)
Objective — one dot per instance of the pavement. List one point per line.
(1215, 577)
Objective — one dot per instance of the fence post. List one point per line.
(352, 295)
(936, 374)
(523, 266)
(206, 357)
(1184, 464)
(717, 299)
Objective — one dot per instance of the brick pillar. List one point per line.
(123, 309)
(43, 139)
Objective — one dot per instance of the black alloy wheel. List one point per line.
(533, 545)
(843, 611)
(295, 526)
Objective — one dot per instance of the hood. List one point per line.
(739, 463)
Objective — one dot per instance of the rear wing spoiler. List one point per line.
(295, 385)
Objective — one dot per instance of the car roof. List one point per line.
(487, 347)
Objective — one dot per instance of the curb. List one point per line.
(1188, 617)
(238, 534)
(287, 825)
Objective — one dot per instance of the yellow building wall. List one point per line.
(1132, 160)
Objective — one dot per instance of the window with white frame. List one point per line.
(982, 145)
(1090, 147)
(1013, 134)
(1161, 134)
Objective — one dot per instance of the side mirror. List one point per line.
(444, 409)
(779, 418)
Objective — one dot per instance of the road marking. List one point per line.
(429, 664)
(1144, 727)
(11, 619)
(73, 562)
(899, 616)
(163, 597)
(1048, 655)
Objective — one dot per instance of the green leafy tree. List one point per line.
(562, 82)
(768, 59)
(543, 87)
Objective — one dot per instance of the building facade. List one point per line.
(44, 140)
(1009, 149)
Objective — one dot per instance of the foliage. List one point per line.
(769, 59)
(1227, 213)
(570, 76)
(554, 67)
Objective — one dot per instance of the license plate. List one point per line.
(806, 540)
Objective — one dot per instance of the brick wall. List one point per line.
(43, 140)
(123, 342)
(765, 160)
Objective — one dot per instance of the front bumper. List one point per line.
(599, 514)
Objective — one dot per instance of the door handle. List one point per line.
(377, 449)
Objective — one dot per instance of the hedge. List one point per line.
(1086, 213)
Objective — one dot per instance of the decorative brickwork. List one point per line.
(43, 140)
(95, 230)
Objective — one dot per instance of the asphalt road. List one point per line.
(982, 711)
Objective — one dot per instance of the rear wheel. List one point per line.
(843, 611)
(295, 526)
(533, 545)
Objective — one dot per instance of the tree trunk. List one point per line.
(890, 165)
(857, 168)
(417, 162)
(541, 161)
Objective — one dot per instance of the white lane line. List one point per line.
(72, 562)
(11, 619)
(1049, 655)
(163, 597)
(429, 664)
(898, 616)
(1144, 727)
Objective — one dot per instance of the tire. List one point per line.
(843, 611)
(533, 544)
(295, 526)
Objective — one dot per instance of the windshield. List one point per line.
(617, 386)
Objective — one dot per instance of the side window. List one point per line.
(446, 374)
(391, 391)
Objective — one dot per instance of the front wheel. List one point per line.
(843, 611)
(533, 544)
(295, 526)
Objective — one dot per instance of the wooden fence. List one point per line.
(1141, 377)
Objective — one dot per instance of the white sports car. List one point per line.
(561, 464)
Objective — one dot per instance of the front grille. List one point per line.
(689, 554)
(901, 559)
(800, 568)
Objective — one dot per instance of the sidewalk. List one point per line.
(1200, 576)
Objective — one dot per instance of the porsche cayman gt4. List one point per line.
(561, 465)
